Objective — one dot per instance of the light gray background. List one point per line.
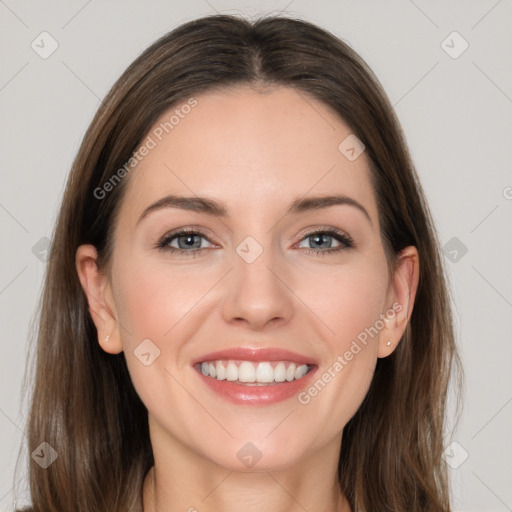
(456, 113)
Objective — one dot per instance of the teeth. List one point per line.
(246, 372)
(221, 371)
(250, 372)
(231, 371)
(264, 373)
(280, 372)
(301, 371)
(290, 372)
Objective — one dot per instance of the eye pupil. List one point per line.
(189, 241)
(320, 237)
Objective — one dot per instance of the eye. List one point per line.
(325, 238)
(185, 239)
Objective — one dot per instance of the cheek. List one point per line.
(154, 303)
(349, 309)
(347, 300)
(150, 302)
(338, 392)
(153, 299)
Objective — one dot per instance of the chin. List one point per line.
(253, 454)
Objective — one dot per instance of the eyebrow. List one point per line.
(210, 207)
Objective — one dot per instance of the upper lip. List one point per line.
(256, 354)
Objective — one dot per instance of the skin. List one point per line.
(255, 151)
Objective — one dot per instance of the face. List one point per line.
(279, 290)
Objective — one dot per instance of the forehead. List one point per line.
(248, 148)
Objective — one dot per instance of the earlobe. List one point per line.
(96, 287)
(402, 295)
(388, 339)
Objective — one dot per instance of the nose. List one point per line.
(258, 293)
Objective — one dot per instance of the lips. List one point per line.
(257, 355)
(255, 376)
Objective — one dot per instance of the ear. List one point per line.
(98, 290)
(400, 300)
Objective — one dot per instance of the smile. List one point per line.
(254, 376)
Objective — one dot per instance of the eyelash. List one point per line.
(345, 241)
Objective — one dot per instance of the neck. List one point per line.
(182, 480)
(256, 491)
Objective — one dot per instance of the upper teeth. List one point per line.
(248, 371)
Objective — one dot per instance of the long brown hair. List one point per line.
(83, 402)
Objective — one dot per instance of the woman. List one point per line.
(198, 348)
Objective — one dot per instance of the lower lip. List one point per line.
(254, 394)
